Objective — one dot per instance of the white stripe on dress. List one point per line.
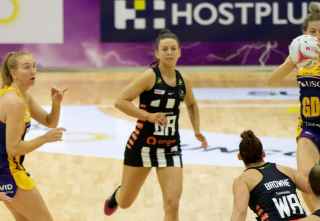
(161, 157)
(177, 161)
(145, 156)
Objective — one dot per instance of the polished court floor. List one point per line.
(75, 186)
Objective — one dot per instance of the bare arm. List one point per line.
(282, 71)
(193, 111)
(298, 178)
(132, 91)
(15, 126)
(241, 195)
(301, 181)
(39, 114)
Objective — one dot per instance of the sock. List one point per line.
(113, 201)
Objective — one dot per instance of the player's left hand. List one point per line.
(57, 95)
(202, 139)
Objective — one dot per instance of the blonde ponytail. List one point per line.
(314, 7)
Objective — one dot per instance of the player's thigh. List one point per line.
(30, 204)
(132, 180)
(307, 155)
(171, 182)
(17, 216)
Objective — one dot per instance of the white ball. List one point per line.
(304, 50)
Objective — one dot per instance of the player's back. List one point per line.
(275, 198)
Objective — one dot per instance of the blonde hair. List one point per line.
(314, 15)
(10, 62)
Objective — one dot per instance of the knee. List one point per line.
(46, 217)
(172, 204)
(125, 204)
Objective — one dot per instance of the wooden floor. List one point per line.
(75, 187)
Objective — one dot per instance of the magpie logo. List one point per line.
(124, 14)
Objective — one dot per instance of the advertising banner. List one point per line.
(202, 20)
(76, 34)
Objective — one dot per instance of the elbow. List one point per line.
(191, 105)
(270, 82)
(239, 216)
(13, 152)
(52, 125)
(118, 104)
(273, 80)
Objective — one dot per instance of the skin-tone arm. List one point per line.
(132, 91)
(310, 218)
(15, 126)
(241, 195)
(193, 112)
(282, 71)
(39, 114)
(299, 179)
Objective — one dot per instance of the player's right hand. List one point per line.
(54, 134)
(157, 118)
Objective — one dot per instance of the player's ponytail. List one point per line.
(5, 69)
(250, 147)
(314, 15)
(314, 7)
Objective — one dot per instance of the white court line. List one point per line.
(259, 105)
(106, 136)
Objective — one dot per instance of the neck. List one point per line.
(167, 70)
(22, 90)
(255, 164)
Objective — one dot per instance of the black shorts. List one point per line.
(153, 157)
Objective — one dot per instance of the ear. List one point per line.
(179, 52)
(239, 156)
(263, 154)
(13, 74)
(156, 54)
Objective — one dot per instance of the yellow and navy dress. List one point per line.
(12, 173)
(309, 85)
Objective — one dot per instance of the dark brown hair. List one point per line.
(314, 15)
(250, 147)
(164, 34)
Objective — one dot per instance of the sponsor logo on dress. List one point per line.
(158, 91)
